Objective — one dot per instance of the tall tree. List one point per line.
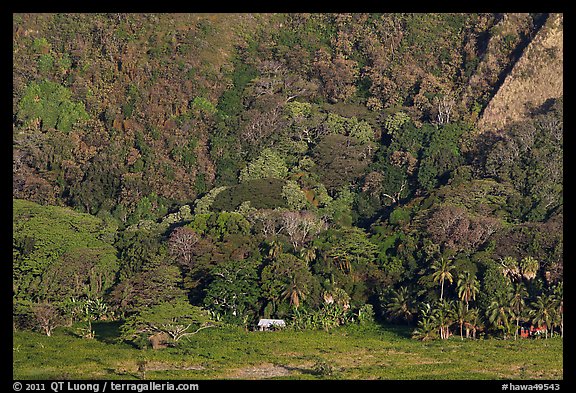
(443, 314)
(181, 244)
(467, 286)
(233, 291)
(542, 312)
(287, 278)
(442, 272)
(461, 315)
(558, 301)
(517, 304)
(499, 315)
(529, 267)
(295, 290)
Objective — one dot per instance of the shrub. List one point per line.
(262, 194)
(51, 105)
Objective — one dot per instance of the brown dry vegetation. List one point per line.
(498, 54)
(536, 77)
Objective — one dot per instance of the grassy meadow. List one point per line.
(357, 353)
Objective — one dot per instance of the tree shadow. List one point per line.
(393, 330)
(107, 332)
(402, 331)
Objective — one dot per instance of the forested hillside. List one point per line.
(321, 168)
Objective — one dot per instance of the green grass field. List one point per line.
(370, 352)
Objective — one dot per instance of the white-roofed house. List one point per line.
(267, 324)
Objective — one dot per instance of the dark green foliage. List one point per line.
(156, 285)
(340, 160)
(288, 280)
(136, 250)
(230, 102)
(49, 240)
(400, 216)
(52, 105)
(132, 98)
(494, 285)
(530, 158)
(176, 319)
(262, 194)
(233, 292)
(99, 187)
(80, 273)
(301, 166)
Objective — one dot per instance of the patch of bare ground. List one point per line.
(161, 366)
(262, 371)
(524, 372)
(387, 357)
(134, 369)
(535, 78)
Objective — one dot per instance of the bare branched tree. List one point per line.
(445, 106)
(181, 244)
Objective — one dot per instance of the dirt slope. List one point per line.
(536, 77)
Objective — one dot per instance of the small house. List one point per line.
(267, 324)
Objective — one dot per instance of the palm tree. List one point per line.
(425, 330)
(473, 322)
(510, 268)
(427, 325)
(498, 314)
(275, 249)
(460, 313)
(529, 267)
(400, 305)
(308, 254)
(542, 312)
(442, 268)
(558, 301)
(468, 286)
(443, 315)
(517, 304)
(294, 291)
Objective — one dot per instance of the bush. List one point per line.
(262, 194)
(51, 104)
(400, 216)
(323, 368)
(268, 165)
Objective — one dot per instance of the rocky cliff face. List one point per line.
(536, 77)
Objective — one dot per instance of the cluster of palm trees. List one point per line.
(437, 319)
(545, 312)
(506, 312)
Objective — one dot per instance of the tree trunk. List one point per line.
(516, 331)
(461, 337)
(441, 289)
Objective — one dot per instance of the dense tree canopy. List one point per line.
(173, 170)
